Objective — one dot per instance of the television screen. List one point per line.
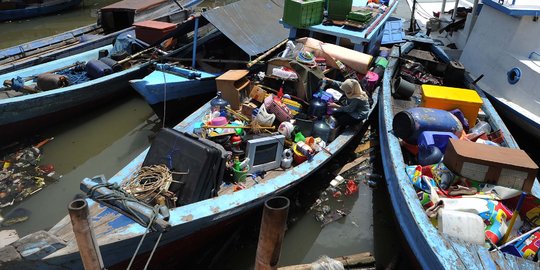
(265, 153)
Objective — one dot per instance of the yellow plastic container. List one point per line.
(449, 98)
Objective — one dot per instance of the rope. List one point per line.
(144, 236)
(150, 182)
(153, 250)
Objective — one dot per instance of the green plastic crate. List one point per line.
(339, 9)
(302, 14)
(362, 16)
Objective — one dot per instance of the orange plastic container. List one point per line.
(152, 31)
(449, 98)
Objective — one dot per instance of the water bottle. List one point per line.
(480, 128)
(218, 104)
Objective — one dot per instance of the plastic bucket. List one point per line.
(240, 175)
(298, 157)
(403, 88)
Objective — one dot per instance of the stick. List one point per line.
(514, 216)
(134, 55)
(243, 127)
(250, 64)
(352, 260)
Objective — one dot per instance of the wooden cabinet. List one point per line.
(234, 86)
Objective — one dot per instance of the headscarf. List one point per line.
(353, 89)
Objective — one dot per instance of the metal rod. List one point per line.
(273, 224)
(86, 241)
(442, 9)
(455, 10)
(195, 37)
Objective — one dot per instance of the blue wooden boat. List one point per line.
(18, 10)
(190, 226)
(169, 82)
(114, 20)
(27, 112)
(432, 249)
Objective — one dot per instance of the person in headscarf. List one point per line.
(355, 107)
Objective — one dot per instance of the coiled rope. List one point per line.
(150, 182)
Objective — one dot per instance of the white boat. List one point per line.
(504, 47)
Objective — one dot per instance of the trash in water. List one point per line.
(16, 216)
(22, 174)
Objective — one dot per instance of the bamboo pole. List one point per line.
(274, 221)
(360, 259)
(88, 247)
(250, 64)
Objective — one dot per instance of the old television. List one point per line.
(264, 152)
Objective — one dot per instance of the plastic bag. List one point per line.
(327, 263)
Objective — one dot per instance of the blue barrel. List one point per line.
(408, 124)
(96, 69)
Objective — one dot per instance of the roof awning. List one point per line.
(253, 25)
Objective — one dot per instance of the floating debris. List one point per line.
(16, 216)
(22, 175)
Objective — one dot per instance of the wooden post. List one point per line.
(273, 224)
(88, 247)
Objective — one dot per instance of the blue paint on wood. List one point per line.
(432, 250)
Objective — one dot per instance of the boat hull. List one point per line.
(158, 87)
(17, 112)
(37, 10)
(530, 126)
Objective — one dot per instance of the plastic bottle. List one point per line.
(480, 128)
(408, 124)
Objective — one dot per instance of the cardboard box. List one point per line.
(502, 166)
(247, 109)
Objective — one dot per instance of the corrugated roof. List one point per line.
(253, 25)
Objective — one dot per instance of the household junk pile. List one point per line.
(261, 123)
(470, 185)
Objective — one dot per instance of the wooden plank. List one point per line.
(501, 261)
(485, 258)
(468, 255)
(7, 237)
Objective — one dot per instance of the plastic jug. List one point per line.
(410, 123)
(465, 226)
(218, 103)
(436, 138)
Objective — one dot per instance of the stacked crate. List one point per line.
(302, 14)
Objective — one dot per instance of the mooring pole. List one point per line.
(273, 224)
(88, 247)
(413, 21)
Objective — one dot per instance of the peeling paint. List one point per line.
(187, 218)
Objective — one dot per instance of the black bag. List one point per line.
(202, 160)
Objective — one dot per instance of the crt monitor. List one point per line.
(264, 152)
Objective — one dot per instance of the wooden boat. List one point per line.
(199, 215)
(432, 249)
(36, 109)
(169, 82)
(114, 20)
(245, 36)
(18, 10)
